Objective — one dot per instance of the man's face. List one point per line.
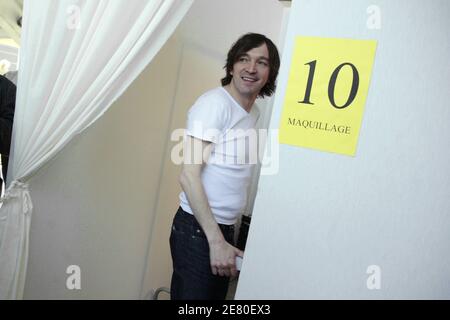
(251, 71)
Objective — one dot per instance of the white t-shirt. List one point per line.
(217, 117)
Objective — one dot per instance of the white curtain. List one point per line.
(77, 58)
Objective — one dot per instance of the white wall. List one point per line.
(324, 218)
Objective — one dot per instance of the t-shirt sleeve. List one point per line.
(206, 119)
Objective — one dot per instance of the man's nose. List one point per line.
(251, 67)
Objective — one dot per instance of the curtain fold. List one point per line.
(77, 58)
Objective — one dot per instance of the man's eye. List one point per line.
(263, 63)
(243, 59)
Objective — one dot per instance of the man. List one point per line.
(215, 188)
(7, 107)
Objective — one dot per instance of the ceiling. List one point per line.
(10, 12)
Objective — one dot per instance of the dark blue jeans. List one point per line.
(192, 278)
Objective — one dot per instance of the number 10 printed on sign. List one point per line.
(326, 93)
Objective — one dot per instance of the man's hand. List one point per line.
(223, 258)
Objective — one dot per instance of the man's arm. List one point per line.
(222, 254)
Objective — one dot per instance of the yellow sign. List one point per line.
(326, 93)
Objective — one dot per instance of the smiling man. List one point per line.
(215, 187)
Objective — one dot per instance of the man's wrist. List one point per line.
(216, 239)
